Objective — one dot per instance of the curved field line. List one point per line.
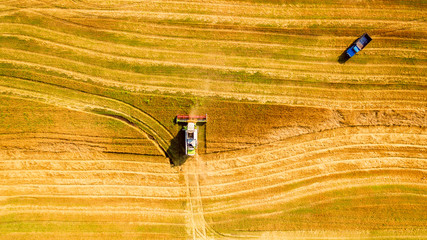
(311, 177)
(276, 161)
(319, 166)
(105, 99)
(317, 188)
(162, 135)
(280, 146)
(301, 155)
(319, 202)
(314, 138)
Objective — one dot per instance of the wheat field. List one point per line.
(297, 145)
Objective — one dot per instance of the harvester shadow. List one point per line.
(343, 58)
(176, 151)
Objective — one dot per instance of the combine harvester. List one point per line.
(190, 130)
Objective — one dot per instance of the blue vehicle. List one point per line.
(358, 45)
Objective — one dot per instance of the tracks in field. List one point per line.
(91, 103)
(197, 225)
(173, 51)
(239, 51)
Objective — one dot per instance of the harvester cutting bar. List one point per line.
(191, 118)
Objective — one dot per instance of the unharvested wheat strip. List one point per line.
(317, 188)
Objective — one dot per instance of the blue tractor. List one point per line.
(358, 45)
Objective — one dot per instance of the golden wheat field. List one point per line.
(298, 145)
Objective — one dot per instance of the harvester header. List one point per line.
(192, 118)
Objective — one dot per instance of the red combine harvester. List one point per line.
(191, 130)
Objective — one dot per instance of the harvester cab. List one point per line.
(190, 129)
